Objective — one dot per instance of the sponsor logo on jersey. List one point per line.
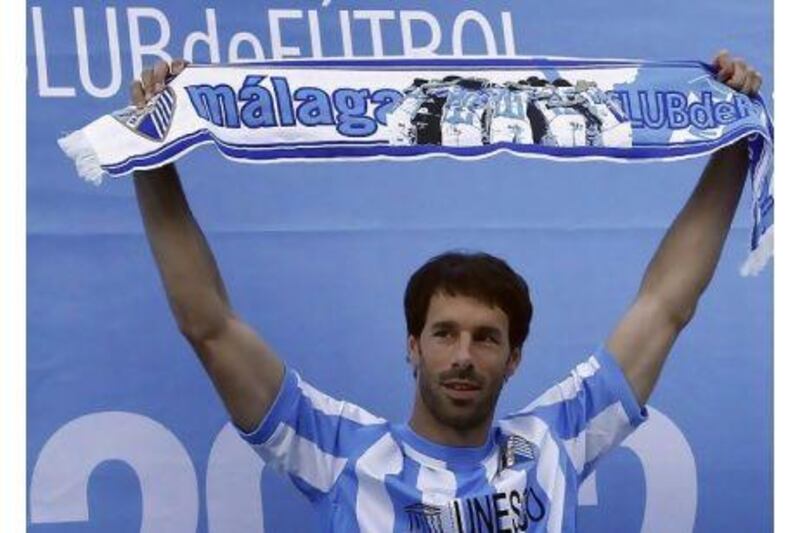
(498, 512)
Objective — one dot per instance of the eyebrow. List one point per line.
(450, 324)
(491, 330)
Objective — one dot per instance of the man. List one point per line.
(449, 468)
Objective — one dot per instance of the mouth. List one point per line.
(461, 390)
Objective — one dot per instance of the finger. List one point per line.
(739, 75)
(726, 71)
(137, 94)
(177, 66)
(749, 87)
(724, 65)
(160, 72)
(757, 81)
(754, 83)
(148, 82)
(722, 58)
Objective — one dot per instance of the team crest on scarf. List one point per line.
(154, 119)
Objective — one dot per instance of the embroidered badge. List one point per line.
(154, 119)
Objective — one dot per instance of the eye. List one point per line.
(487, 338)
(445, 334)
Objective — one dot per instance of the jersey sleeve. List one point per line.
(591, 411)
(309, 435)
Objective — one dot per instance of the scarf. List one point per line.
(614, 110)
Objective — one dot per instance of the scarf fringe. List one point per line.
(77, 146)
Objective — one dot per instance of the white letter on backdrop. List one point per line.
(233, 485)
(374, 16)
(211, 39)
(483, 24)
(670, 476)
(426, 50)
(45, 89)
(139, 50)
(113, 50)
(275, 16)
(60, 479)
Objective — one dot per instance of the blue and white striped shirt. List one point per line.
(364, 474)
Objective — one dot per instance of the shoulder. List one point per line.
(328, 405)
(309, 414)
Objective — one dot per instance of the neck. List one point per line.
(426, 425)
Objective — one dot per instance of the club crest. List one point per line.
(154, 119)
(517, 450)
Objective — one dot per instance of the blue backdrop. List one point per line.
(125, 432)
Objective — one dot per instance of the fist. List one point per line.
(737, 74)
(154, 80)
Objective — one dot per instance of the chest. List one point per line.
(520, 486)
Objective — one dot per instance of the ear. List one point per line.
(513, 362)
(412, 356)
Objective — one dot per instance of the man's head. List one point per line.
(467, 316)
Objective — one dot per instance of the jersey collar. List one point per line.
(451, 455)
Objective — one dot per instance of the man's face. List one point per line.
(462, 358)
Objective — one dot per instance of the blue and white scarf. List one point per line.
(616, 110)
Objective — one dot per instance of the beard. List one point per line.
(458, 414)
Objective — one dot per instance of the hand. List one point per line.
(154, 80)
(736, 73)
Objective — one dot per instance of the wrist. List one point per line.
(739, 147)
(735, 154)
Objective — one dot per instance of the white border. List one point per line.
(787, 269)
(12, 267)
(13, 25)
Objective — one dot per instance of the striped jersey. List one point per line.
(510, 103)
(364, 474)
(465, 106)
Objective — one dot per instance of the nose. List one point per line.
(462, 354)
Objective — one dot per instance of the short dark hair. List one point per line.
(478, 275)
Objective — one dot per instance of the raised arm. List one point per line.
(245, 372)
(685, 261)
